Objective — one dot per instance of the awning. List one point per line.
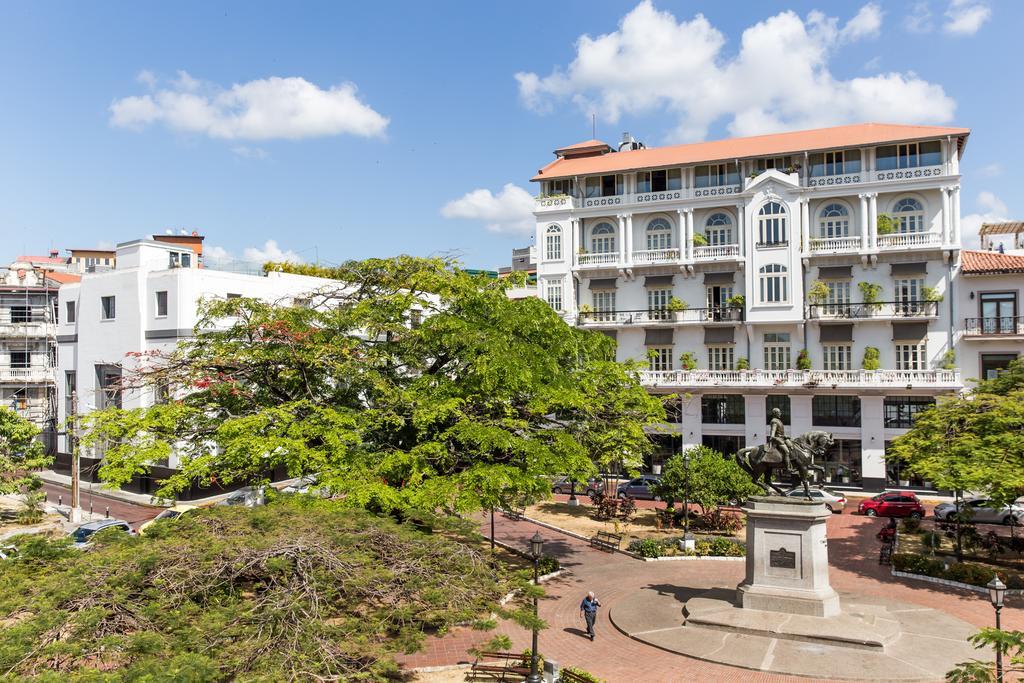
(603, 283)
(910, 268)
(909, 331)
(658, 281)
(719, 278)
(835, 272)
(836, 333)
(719, 335)
(658, 337)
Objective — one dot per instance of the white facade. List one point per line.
(143, 304)
(992, 329)
(610, 259)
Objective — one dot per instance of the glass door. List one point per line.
(999, 313)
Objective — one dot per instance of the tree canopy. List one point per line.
(710, 479)
(973, 442)
(408, 383)
(20, 455)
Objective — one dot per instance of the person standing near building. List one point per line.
(588, 610)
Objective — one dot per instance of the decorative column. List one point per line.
(863, 222)
(956, 216)
(872, 442)
(947, 224)
(689, 234)
(574, 242)
(741, 228)
(569, 293)
(681, 232)
(629, 238)
(805, 225)
(622, 239)
(873, 220)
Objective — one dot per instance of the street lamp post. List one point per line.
(996, 593)
(536, 545)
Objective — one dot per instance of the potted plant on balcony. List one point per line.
(586, 312)
(699, 240)
(931, 294)
(676, 307)
(870, 293)
(871, 359)
(736, 301)
(688, 361)
(803, 360)
(818, 293)
(886, 224)
(743, 363)
(948, 360)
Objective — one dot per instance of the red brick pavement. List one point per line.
(615, 657)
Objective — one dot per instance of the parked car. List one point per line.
(892, 504)
(82, 536)
(172, 512)
(639, 488)
(835, 502)
(247, 496)
(565, 485)
(7, 552)
(302, 484)
(980, 510)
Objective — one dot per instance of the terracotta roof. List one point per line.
(738, 148)
(990, 263)
(39, 259)
(1006, 228)
(63, 278)
(585, 145)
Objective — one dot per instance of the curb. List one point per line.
(683, 558)
(953, 584)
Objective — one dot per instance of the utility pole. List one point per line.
(76, 508)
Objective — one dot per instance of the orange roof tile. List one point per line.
(39, 259)
(990, 263)
(586, 144)
(738, 148)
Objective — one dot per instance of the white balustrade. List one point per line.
(904, 240)
(718, 191)
(609, 259)
(907, 173)
(33, 374)
(656, 256)
(555, 203)
(793, 378)
(655, 197)
(835, 245)
(716, 252)
(837, 180)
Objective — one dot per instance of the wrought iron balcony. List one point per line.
(884, 310)
(701, 316)
(998, 326)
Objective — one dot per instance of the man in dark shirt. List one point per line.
(588, 609)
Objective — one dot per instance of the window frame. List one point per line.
(161, 303)
(660, 358)
(553, 243)
(912, 355)
(108, 312)
(772, 225)
(658, 234)
(721, 357)
(603, 235)
(773, 278)
(827, 410)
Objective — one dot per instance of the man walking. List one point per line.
(588, 610)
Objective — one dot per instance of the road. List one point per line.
(133, 513)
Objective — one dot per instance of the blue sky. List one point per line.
(123, 119)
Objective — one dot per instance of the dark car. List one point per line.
(894, 504)
(639, 488)
(565, 485)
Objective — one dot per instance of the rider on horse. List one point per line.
(777, 438)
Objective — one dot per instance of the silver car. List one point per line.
(980, 510)
(834, 502)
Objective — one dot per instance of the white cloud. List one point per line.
(653, 62)
(249, 152)
(919, 20)
(270, 251)
(965, 17)
(991, 209)
(867, 23)
(263, 109)
(510, 211)
(990, 170)
(147, 78)
(873, 64)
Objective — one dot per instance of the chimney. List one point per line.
(54, 253)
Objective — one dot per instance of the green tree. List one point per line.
(467, 409)
(977, 671)
(711, 479)
(20, 455)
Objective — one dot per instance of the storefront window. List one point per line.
(842, 462)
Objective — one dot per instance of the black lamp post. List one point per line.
(536, 545)
(996, 593)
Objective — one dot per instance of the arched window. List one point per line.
(772, 224)
(774, 284)
(553, 243)
(659, 234)
(835, 222)
(718, 229)
(909, 215)
(603, 238)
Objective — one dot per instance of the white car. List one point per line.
(247, 496)
(835, 502)
(979, 510)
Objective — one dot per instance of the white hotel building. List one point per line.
(870, 211)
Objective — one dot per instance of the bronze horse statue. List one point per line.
(760, 461)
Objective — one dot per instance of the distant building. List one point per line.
(1005, 237)
(989, 298)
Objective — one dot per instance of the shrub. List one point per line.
(737, 301)
(871, 358)
(885, 224)
(585, 675)
(911, 525)
(688, 361)
(675, 305)
(742, 363)
(968, 572)
(719, 521)
(803, 360)
(548, 565)
(699, 240)
(647, 547)
(718, 547)
(627, 508)
(931, 539)
(818, 292)
(948, 360)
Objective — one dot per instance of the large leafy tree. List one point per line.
(21, 454)
(709, 479)
(467, 409)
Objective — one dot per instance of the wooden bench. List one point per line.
(515, 514)
(605, 540)
(508, 668)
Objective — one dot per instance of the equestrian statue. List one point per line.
(793, 456)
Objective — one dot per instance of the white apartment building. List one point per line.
(718, 263)
(147, 302)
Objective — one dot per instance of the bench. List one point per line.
(515, 514)
(509, 668)
(605, 540)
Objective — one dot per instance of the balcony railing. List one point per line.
(903, 240)
(554, 203)
(656, 256)
(719, 251)
(880, 309)
(907, 173)
(793, 378)
(999, 326)
(837, 180)
(726, 314)
(33, 374)
(606, 259)
(835, 245)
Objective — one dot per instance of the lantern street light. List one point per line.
(536, 546)
(996, 593)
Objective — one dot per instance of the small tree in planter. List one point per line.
(931, 294)
(688, 361)
(742, 363)
(886, 224)
(870, 293)
(948, 360)
(736, 301)
(677, 307)
(803, 360)
(871, 359)
(818, 293)
(699, 240)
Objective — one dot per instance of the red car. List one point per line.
(893, 504)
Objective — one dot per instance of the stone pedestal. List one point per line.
(787, 558)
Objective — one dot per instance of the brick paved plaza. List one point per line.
(614, 578)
